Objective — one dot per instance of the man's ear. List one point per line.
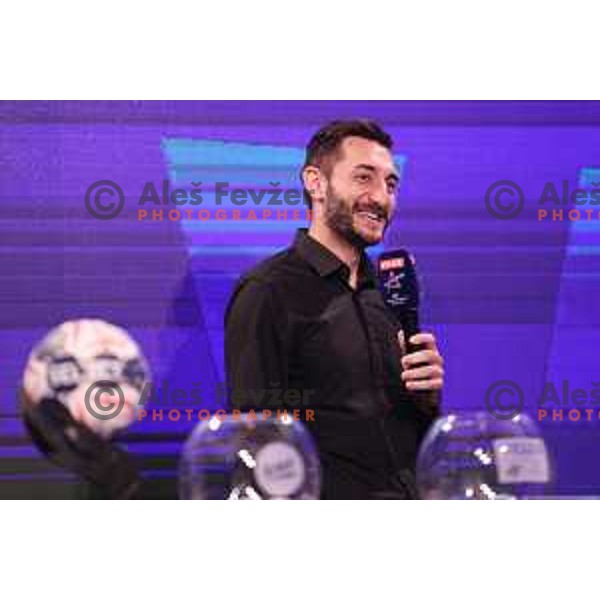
(314, 182)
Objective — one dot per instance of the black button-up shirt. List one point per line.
(295, 324)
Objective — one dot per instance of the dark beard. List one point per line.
(339, 217)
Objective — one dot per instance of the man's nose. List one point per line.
(381, 193)
(381, 196)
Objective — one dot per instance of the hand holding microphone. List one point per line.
(423, 369)
(422, 363)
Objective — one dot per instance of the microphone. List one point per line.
(400, 289)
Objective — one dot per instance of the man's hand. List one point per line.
(422, 370)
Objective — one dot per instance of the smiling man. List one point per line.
(311, 319)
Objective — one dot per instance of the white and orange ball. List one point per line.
(94, 368)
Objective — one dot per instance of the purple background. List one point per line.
(508, 299)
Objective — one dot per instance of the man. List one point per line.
(311, 319)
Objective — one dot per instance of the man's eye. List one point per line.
(363, 178)
(392, 187)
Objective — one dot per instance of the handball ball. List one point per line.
(92, 367)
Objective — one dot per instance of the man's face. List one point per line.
(361, 193)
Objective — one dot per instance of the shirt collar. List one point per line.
(326, 262)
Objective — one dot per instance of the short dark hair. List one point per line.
(326, 143)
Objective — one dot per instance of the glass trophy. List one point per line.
(474, 456)
(240, 457)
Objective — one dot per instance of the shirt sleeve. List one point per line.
(256, 345)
